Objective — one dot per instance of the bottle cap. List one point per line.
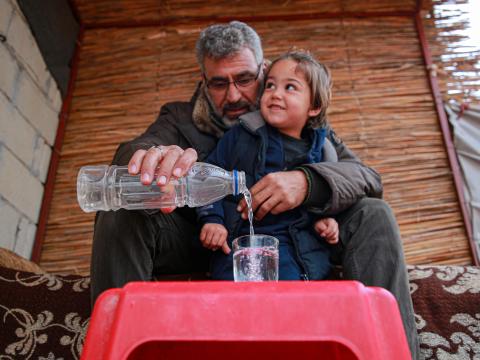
(239, 185)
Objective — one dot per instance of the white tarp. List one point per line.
(466, 125)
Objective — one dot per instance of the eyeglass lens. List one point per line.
(242, 80)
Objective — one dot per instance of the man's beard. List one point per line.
(237, 106)
(234, 106)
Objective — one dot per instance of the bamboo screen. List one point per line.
(108, 12)
(382, 108)
(454, 42)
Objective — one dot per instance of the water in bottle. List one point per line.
(112, 187)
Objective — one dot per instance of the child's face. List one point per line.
(285, 103)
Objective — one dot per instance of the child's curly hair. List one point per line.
(318, 79)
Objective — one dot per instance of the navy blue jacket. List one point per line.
(257, 149)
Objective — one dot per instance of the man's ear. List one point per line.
(314, 112)
(265, 65)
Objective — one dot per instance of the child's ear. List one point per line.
(314, 112)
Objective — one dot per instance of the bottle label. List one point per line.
(202, 170)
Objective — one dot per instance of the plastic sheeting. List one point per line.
(466, 125)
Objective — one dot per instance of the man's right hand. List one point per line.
(160, 163)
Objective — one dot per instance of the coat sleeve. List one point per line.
(348, 180)
(160, 132)
(221, 156)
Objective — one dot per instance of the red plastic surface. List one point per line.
(226, 320)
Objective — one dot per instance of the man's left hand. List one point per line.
(276, 192)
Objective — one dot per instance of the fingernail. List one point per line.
(244, 217)
(177, 172)
(145, 178)
(133, 168)
(162, 180)
(239, 208)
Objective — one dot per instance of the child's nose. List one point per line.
(277, 93)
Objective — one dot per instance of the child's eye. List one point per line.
(269, 85)
(290, 87)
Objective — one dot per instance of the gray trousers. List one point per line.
(134, 246)
(371, 252)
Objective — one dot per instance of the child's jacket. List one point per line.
(257, 149)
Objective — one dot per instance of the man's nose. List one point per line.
(233, 94)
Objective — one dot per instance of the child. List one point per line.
(289, 131)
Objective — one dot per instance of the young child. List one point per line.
(290, 130)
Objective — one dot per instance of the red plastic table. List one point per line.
(226, 320)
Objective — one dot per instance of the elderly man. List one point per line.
(138, 245)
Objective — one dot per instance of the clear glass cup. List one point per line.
(255, 258)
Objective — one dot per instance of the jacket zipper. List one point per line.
(305, 275)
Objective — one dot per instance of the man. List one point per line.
(138, 245)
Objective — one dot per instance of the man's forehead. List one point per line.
(236, 64)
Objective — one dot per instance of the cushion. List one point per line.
(13, 261)
(446, 300)
(42, 316)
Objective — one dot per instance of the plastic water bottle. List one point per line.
(106, 188)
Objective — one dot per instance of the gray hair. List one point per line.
(223, 40)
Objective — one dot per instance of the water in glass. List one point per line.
(255, 258)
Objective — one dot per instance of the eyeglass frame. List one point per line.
(226, 84)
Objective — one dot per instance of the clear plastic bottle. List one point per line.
(106, 188)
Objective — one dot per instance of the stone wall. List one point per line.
(29, 106)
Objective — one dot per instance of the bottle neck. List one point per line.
(239, 184)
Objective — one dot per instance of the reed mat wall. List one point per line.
(453, 38)
(103, 13)
(382, 108)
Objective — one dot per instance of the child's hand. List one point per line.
(328, 229)
(214, 236)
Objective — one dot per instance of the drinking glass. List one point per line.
(255, 258)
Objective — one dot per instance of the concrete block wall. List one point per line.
(30, 103)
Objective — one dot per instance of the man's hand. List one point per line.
(214, 236)
(328, 229)
(160, 163)
(276, 193)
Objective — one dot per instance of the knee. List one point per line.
(374, 206)
(106, 221)
(384, 225)
(374, 223)
(116, 226)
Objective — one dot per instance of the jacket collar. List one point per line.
(252, 121)
(207, 121)
(321, 148)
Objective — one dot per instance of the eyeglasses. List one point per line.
(241, 81)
